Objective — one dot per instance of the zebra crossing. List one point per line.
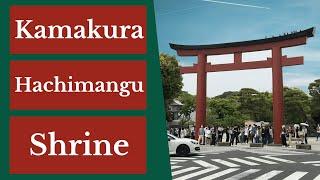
(237, 162)
(314, 163)
(212, 173)
(231, 168)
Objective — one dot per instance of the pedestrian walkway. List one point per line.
(235, 174)
(204, 168)
(235, 162)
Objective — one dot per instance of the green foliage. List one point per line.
(225, 112)
(171, 79)
(189, 105)
(296, 106)
(233, 108)
(256, 105)
(315, 100)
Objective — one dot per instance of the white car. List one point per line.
(182, 146)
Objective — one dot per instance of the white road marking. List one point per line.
(177, 160)
(268, 175)
(200, 156)
(296, 175)
(183, 158)
(261, 160)
(317, 178)
(243, 174)
(205, 164)
(244, 161)
(280, 152)
(219, 174)
(174, 173)
(173, 163)
(278, 159)
(226, 163)
(316, 164)
(311, 162)
(175, 167)
(198, 173)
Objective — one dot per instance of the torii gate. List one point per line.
(276, 62)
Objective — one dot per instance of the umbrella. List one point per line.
(296, 125)
(304, 124)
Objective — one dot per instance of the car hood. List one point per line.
(185, 139)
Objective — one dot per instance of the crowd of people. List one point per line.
(235, 135)
(246, 134)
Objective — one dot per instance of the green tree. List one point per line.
(315, 100)
(171, 79)
(257, 106)
(189, 105)
(225, 112)
(296, 106)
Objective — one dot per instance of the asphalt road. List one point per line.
(247, 163)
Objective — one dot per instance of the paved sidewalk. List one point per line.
(315, 146)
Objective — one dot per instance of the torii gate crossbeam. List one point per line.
(276, 62)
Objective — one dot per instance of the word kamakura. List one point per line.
(26, 29)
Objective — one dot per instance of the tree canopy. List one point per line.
(171, 79)
(297, 106)
(314, 89)
(189, 105)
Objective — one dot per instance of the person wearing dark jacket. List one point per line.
(283, 137)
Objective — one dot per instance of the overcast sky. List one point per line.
(210, 22)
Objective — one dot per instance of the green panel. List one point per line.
(157, 148)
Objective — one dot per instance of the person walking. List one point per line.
(237, 135)
(241, 135)
(263, 137)
(271, 134)
(257, 135)
(201, 135)
(305, 133)
(183, 133)
(283, 137)
(267, 135)
(192, 133)
(254, 132)
(232, 134)
(297, 132)
(250, 138)
(213, 134)
(318, 131)
(208, 135)
(227, 134)
(290, 132)
(220, 134)
(246, 134)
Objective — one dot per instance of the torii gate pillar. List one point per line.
(201, 92)
(277, 91)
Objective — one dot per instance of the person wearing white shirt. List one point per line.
(246, 134)
(208, 135)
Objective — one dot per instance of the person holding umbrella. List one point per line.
(305, 131)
